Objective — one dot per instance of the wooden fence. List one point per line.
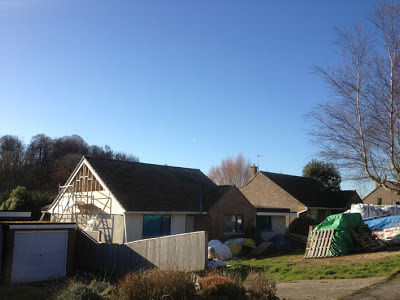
(181, 252)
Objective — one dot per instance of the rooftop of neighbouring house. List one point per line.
(311, 192)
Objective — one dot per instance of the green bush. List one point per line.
(156, 284)
(219, 286)
(21, 199)
(259, 286)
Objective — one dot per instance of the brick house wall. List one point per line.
(263, 192)
(231, 203)
(388, 197)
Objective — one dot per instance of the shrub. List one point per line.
(78, 291)
(235, 275)
(156, 284)
(81, 291)
(259, 286)
(99, 286)
(215, 285)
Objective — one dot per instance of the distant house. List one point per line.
(382, 196)
(117, 202)
(302, 196)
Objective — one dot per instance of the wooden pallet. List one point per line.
(320, 243)
(364, 236)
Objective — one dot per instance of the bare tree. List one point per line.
(39, 149)
(359, 127)
(12, 161)
(232, 171)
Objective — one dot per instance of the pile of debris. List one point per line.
(239, 248)
(341, 234)
(219, 252)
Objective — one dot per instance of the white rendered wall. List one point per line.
(178, 224)
(134, 227)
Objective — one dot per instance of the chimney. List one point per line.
(253, 170)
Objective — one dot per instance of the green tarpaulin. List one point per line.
(342, 242)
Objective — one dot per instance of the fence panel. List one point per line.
(186, 251)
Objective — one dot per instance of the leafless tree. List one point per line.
(232, 171)
(359, 127)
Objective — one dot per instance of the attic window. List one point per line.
(379, 201)
(156, 225)
(233, 223)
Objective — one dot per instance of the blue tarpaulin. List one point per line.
(383, 222)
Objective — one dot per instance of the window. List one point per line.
(264, 223)
(379, 201)
(156, 225)
(233, 223)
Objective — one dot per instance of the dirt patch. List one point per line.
(349, 259)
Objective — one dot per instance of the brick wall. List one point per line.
(388, 197)
(232, 202)
(263, 192)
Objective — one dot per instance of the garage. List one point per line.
(39, 255)
(37, 252)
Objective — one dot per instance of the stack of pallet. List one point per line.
(364, 236)
(321, 241)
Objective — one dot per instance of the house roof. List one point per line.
(311, 192)
(390, 184)
(343, 198)
(306, 190)
(149, 187)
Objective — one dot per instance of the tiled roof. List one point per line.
(343, 198)
(149, 187)
(306, 190)
(311, 192)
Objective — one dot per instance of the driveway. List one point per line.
(326, 289)
(387, 290)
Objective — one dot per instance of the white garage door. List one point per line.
(39, 255)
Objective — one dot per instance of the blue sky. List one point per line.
(184, 83)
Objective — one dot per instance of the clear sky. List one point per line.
(184, 83)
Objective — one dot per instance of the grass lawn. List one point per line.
(293, 266)
(23, 291)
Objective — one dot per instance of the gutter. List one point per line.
(300, 212)
(125, 235)
(166, 212)
(276, 214)
(326, 208)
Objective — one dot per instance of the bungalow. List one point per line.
(118, 201)
(382, 196)
(302, 196)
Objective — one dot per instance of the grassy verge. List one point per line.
(294, 267)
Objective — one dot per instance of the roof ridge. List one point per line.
(137, 162)
(288, 175)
